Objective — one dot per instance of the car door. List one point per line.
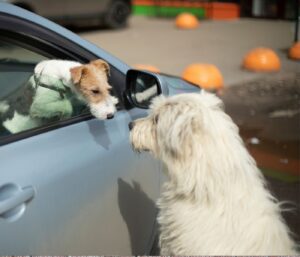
(73, 185)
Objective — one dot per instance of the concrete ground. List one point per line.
(157, 42)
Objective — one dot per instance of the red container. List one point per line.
(143, 2)
(169, 3)
(223, 11)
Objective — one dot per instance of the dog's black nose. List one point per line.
(110, 116)
(130, 125)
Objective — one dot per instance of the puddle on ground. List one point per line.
(267, 112)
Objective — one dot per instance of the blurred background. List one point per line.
(144, 31)
(254, 49)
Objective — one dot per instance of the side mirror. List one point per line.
(141, 88)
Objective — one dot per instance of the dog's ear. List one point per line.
(76, 73)
(103, 65)
(182, 134)
(180, 144)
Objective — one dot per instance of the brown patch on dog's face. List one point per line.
(91, 80)
(102, 65)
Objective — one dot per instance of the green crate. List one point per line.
(166, 11)
(145, 10)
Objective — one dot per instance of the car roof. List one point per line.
(13, 10)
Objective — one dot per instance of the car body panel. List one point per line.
(93, 194)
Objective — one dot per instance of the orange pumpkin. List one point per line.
(206, 76)
(186, 21)
(262, 59)
(147, 67)
(294, 52)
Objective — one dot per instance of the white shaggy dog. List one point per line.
(215, 201)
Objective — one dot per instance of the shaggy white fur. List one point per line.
(215, 201)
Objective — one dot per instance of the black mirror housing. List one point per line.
(141, 88)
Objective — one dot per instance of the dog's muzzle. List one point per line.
(110, 116)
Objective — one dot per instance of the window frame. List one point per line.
(50, 44)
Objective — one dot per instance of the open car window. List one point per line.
(44, 44)
(11, 53)
(29, 101)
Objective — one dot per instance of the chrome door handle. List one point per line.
(20, 197)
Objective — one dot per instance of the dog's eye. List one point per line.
(95, 91)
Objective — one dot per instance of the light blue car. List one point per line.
(73, 185)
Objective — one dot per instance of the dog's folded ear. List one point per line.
(77, 73)
(181, 136)
(103, 65)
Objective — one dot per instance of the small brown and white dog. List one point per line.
(88, 81)
(51, 91)
(215, 201)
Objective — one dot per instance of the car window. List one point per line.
(29, 100)
(9, 51)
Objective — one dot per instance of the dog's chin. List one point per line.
(139, 149)
(103, 111)
(99, 116)
(144, 150)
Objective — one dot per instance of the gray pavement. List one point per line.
(157, 42)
